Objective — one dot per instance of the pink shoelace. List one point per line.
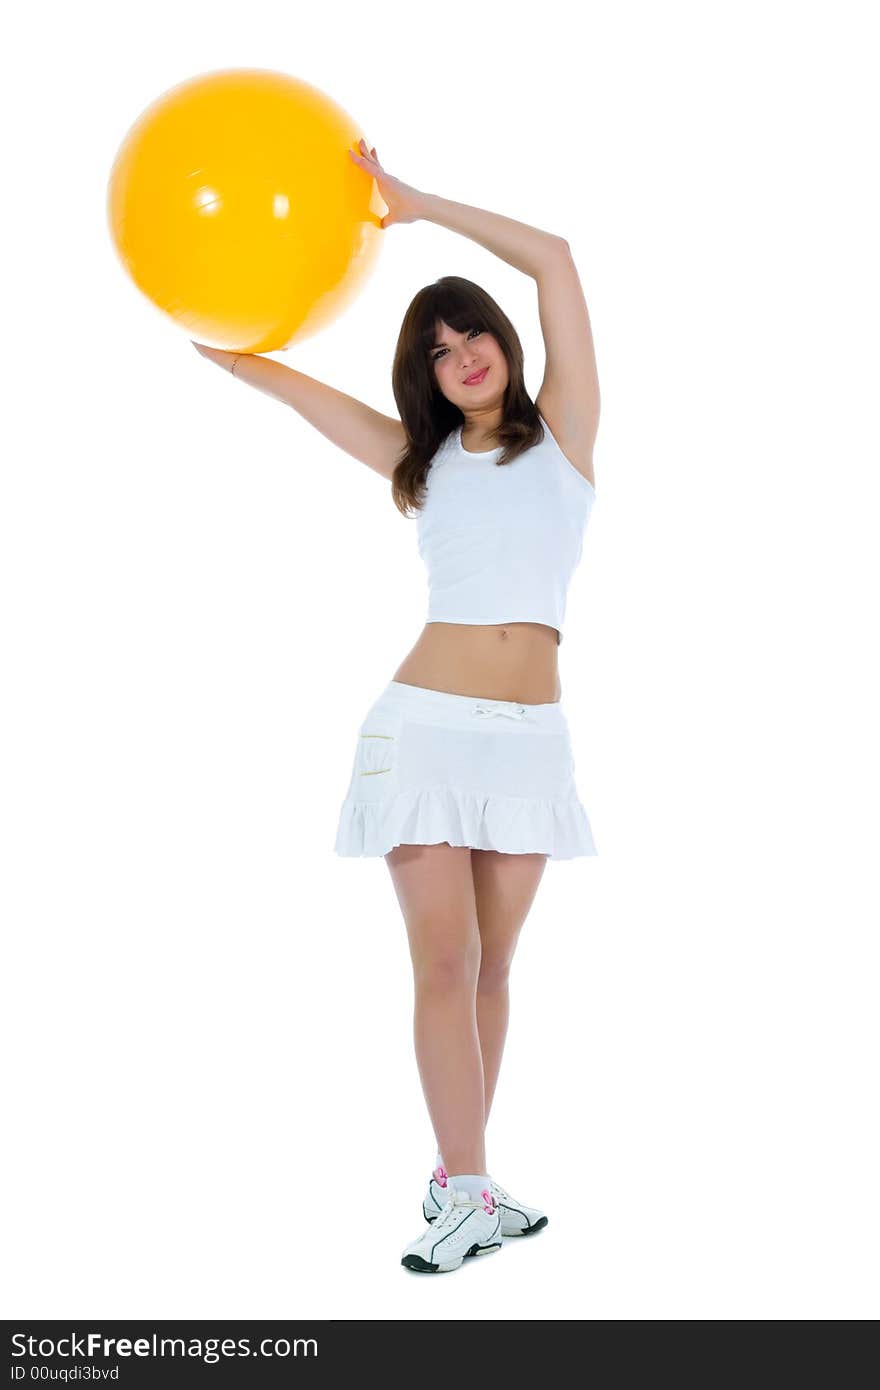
(441, 1176)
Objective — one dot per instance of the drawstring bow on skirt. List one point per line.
(511, 709)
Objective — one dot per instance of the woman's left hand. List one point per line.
(404, 202)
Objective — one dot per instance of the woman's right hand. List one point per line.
(223, 359)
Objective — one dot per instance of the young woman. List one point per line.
(463, 775)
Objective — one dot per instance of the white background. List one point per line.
(213, 1103)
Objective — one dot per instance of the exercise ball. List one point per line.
(235, 207)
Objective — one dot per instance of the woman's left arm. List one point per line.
(526, 248)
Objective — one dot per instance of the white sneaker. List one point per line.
(463, 1227)
(517, 1219)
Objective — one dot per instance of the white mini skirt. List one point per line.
(431, 767)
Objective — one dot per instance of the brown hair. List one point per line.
(426, 414)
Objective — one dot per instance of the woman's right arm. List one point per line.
(369, 436)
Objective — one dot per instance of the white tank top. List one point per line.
(501, 544)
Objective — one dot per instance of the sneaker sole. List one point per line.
(426, 1267)
(527, 1230)
(519, 1231)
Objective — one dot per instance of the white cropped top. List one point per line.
(502, 543)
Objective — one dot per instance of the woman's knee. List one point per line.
(446, 969)
(494, 972)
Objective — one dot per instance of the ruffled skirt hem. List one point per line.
(443, 814)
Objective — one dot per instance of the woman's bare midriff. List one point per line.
(501, 661)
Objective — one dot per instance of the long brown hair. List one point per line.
(426, 414)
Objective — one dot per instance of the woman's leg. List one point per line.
(504, 887)
(435, 889)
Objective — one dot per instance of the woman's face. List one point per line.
(456, 356)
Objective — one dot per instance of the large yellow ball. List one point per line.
(235, 207)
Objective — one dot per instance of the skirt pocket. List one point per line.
(376, 754)
(374, 773)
